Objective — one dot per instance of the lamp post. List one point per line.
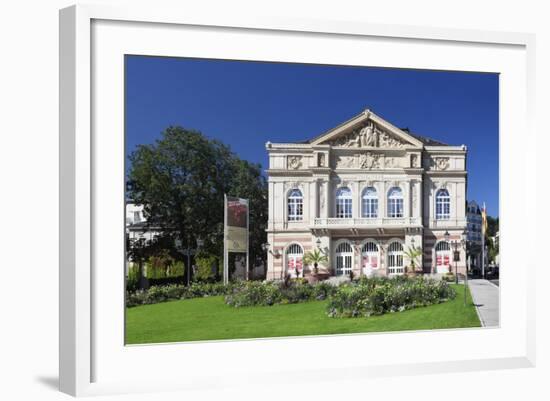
(188, 252)
(455, 244)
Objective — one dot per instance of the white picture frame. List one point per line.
(89, 355)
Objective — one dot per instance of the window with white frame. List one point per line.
(343, 203)
(370, 203)
(295, 205)
(344, 258)
(442, 205)
(395, 258)
(395, 202)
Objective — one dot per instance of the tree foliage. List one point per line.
(181, 180)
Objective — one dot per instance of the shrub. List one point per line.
(322, 291)
(376, 296)
(163, 293)
(132, 280)
(252, 293)
(449, 277)
(205, 267)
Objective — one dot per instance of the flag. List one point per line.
(484, 220)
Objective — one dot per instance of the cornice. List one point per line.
(287, 146)
(446, 173)
(289, 173)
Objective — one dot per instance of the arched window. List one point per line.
(370, 203)
(370, 257)
(295, 205)
(395, 202)
(395, 258)
(343, 203)
(442, 205)
(344, 258)
(443, 257)
(294, 263)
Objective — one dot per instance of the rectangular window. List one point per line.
(370, 208)
(395, 208)
(343, 208)
(443, 209)
(295, 209)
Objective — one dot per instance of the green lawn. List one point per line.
(211, 319)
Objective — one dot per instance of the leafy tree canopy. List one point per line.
(181, 180)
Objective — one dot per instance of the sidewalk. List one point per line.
(486, 299)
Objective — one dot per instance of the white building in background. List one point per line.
(136, 224)
(473, 217)
(364, 192)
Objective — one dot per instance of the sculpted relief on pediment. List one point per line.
(367, 136)
(366, 161)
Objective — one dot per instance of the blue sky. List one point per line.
(246, 104)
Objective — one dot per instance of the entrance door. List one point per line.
(294, 265)
(344, 259)
(395, 258)
(442, 257)
(370, 257)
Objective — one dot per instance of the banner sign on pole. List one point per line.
(236, 212)
(237, 225)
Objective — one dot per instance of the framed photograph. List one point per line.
(247, 190)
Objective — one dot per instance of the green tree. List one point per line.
(141, 250)
(181, 180)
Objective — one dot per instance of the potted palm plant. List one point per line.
(315, 258)
(412, 253)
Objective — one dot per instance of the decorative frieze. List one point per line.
(294, 162)
(369, 160)
(440, 163)
(368, 136)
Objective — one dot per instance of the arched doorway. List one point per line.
(294, 264)
(370, 257)
(395, 258)
(344, 258)
(442, 257)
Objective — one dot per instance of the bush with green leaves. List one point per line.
(206, 268)
(270, 293)
(376, 296)
(253, 293)
(170, 292)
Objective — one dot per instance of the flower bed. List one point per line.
(363, 297)
(377, 296)
(254, 293)
(163, 293)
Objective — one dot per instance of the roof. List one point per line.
(428, 141)
(424, 139)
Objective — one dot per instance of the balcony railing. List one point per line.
(445, 223)
(336, 222)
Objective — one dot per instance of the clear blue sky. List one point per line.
(246, 104)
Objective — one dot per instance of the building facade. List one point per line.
(364, 193)
(473, 218)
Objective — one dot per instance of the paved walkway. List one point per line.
(486, 299)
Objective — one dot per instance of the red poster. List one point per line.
(438, 260)
(446, 260)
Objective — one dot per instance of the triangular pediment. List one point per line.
(367, 130)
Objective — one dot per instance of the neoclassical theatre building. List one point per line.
(363, 193)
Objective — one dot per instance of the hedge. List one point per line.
(377, 296)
